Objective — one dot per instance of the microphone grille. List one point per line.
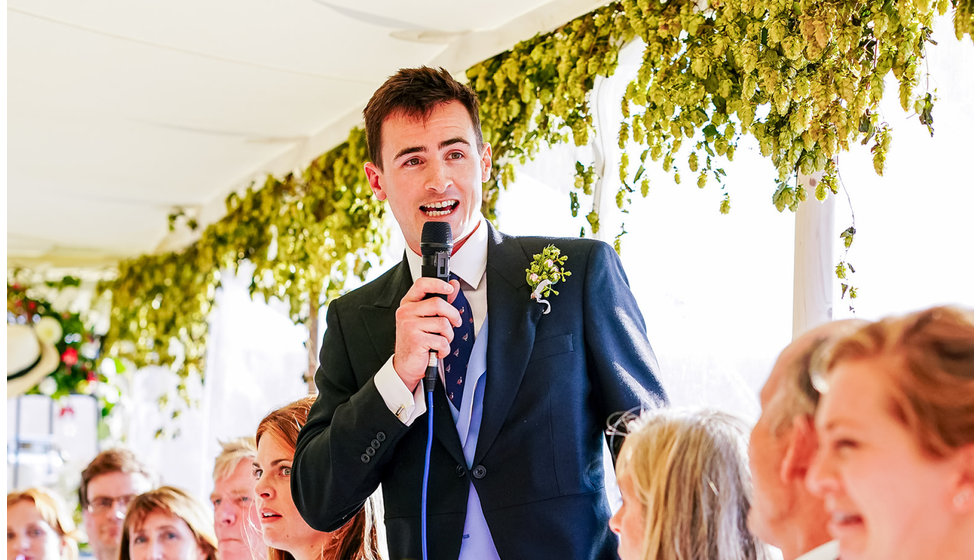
(437, 232)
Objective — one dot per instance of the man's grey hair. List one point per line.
(232, 452)
(797, 395)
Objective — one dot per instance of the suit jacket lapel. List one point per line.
(512, 319)
(379, 321)
(379, 316)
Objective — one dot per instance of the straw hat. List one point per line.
(29, 359)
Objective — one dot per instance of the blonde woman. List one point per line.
(39, 527)
(684, 480)
(167, 523)
(895, 432)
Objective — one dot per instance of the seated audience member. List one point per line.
(684, 480)
(109, 482)
(236, 521)
(895, 432)
(282, 527)
(782, 445)
(167, 523)
(39, 527)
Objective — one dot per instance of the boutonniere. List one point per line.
(546, 271)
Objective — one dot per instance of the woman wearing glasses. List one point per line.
(39, 527)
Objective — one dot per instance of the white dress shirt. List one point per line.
(469, 263)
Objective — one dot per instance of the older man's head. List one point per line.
(783, 444)
(235, 517)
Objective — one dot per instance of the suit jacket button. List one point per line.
(370, 451)
(375, 444)
(460, 471)
(380, 436)
(365, 458)
(479, 472)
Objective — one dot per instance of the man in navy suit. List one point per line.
(516, 466)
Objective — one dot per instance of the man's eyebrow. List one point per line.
(411, 150)
(422, 149)
(451, 141)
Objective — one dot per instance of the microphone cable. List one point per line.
(431, 372)
(436, 247)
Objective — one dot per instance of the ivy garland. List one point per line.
(306, 235)
(802, 77)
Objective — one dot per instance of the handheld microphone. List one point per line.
(437, 246)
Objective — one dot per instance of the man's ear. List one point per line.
(374, 177)
(486, 161)
(963, 488)
(801, 450)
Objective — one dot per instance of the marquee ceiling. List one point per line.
(120, 113)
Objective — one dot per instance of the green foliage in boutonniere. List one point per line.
(547, 270)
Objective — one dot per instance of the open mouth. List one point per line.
(437, 209)
(270, 516)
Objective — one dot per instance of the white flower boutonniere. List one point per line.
(546, 271)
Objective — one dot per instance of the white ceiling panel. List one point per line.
(120, 111)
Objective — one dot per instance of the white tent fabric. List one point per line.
(121, 113)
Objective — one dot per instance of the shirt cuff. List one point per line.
(404, 404)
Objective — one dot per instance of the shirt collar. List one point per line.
(469, 262)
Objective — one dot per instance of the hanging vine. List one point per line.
(804, 78)
(306, 234)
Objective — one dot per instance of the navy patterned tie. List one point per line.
(460, 348)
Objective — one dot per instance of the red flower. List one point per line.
(31, 305)
(70, 357)
(91, 376)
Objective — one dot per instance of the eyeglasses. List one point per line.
(103, 504)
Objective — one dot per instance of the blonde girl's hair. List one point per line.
(690, 473)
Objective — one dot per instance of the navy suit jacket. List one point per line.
(552, 385)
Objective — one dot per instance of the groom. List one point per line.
(516, 466)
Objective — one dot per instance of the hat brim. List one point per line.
(28, 380)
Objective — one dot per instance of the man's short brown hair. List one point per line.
(110, 461)
(415, 92)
